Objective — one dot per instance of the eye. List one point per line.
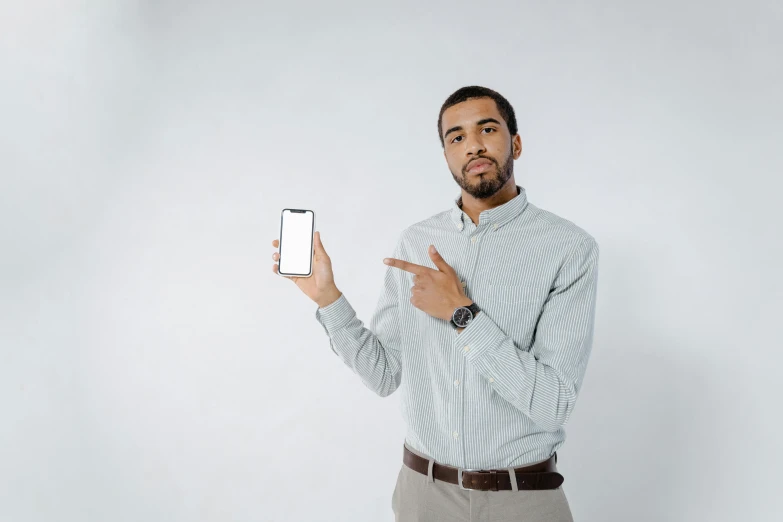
(485, 128)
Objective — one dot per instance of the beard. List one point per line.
(485, 185)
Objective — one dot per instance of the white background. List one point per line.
(154, 368)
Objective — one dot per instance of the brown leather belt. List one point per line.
(543, 475)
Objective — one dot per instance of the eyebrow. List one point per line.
(478, 124)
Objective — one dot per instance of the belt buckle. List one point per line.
(459, 478)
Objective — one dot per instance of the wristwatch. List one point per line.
(463, 315)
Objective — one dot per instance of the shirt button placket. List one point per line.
(459, 387)
(455, 406)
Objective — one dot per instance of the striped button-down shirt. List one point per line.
(498, 393)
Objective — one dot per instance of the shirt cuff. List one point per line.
(335, 315)
(479, 337)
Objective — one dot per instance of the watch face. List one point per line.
(462, 316)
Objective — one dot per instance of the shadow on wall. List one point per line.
(629, 440)
(645, 404)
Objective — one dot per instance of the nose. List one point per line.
(474, 146)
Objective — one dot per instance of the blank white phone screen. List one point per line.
(296, 242)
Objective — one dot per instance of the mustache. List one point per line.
(465, 166)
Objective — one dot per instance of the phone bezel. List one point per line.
(280, 244)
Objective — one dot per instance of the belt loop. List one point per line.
(513, 477)
(430, 476)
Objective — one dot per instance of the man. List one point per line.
(486, 317)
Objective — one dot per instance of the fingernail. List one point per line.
(432, 249)
(386, 261)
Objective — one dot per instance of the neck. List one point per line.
(473, 206)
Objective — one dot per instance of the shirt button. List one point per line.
(495, 226)
(473, 239)
(467, 348)
(463, 283)
(456, 434)
(491, 379)
(459, 226)
(456, 382)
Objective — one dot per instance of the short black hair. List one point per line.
(475, 91)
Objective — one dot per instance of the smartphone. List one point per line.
(297, 231)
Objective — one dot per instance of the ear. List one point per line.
(516, 144)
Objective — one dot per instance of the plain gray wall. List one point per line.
(154, 368)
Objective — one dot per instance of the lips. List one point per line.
(479, 165)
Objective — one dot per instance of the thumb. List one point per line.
(441, 263)
(319, 247)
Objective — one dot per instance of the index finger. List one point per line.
(413, 268)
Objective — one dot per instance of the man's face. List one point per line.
(474, 134)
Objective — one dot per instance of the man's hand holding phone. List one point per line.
(320, 286)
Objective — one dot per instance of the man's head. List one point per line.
(476, 126)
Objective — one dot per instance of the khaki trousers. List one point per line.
(417, 498)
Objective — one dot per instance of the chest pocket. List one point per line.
(514, 292)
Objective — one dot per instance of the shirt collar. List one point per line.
(497, 216)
